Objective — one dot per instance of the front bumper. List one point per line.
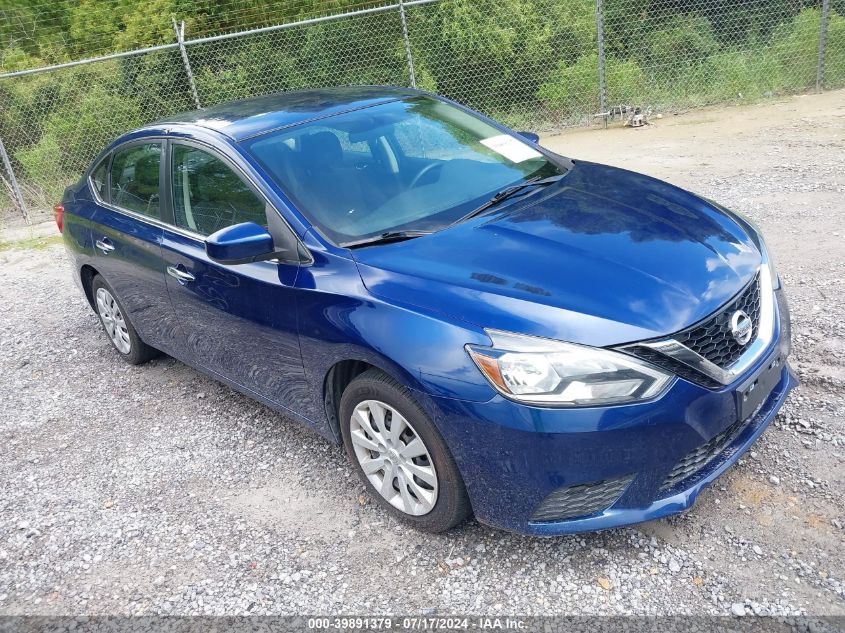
(513, 456)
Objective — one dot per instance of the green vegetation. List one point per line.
(531, 63)
(31, 243)
(685, 65)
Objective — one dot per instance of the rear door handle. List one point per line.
(104, 245)
(182, 276)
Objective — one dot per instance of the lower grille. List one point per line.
(699, 457)
(570, 502)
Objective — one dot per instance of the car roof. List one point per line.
(250, 117)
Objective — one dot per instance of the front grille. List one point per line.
(699, 457)
(712, 338)
(570, 502)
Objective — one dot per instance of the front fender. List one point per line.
(339, 320)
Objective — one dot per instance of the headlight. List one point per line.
(543, 371)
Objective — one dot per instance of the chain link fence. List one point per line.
(533, 64)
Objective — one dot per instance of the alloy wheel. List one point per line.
(113, 320)
(394, 457)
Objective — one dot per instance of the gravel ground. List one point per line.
(145, 490)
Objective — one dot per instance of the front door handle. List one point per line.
(182, 276)
(104, 245)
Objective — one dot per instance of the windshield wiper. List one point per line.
(501, 196)
(510, 192)
(386, 238)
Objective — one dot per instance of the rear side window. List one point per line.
(135, 179)
(99, 182)
(208, 195)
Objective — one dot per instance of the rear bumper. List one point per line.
(513, 456)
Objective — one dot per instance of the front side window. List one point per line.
(416, 164)
(135, 179)
(208, 195)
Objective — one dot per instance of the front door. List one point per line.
(238, 321)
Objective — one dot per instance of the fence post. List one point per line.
(600, 42)
(407, 39)
(180, 37)
(13, 182)
(822, 45)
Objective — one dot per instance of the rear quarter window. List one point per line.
(99, 179)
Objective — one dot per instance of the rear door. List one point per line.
(238, 320)
(127, 233)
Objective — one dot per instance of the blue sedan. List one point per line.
(485, 326)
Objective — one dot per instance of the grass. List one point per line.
(31, 243)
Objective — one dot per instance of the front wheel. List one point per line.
(400, 455)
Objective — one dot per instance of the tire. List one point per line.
(117, 326)
(368, 411)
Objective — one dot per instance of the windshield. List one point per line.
(413, 165)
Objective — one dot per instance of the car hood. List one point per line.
(605, 256)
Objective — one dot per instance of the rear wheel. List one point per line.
(399, 454)
(117, 326)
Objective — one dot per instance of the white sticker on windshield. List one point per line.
(511, 148)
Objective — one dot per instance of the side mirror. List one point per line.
(242, 244)
(531, 136)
